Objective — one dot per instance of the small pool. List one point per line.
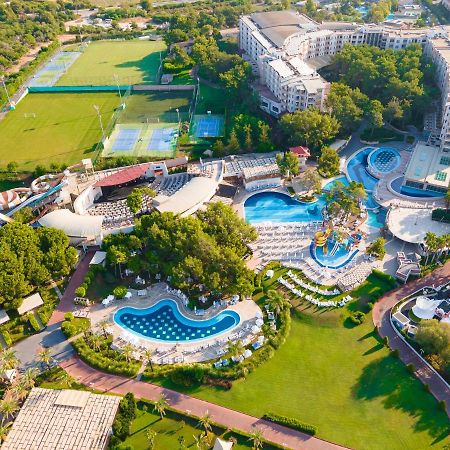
(357, 169)
(279, 207)
(384, 160)
(164, 322)
(397, 186)
(334, 258)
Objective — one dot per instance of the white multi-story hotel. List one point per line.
(285, 48)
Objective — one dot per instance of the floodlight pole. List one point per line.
(118, 87)
(6, 90)
(178, 114)
(100, 120)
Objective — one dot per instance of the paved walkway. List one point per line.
(381, 319)
(227, 417)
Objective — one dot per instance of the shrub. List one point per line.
(7, 338)
(120, 291)
(291, 423)
(188, 375)
(357, 317)
(126, 413)
(442, 405)
(68, 316)
(441, 215)
(427, 388)
(80, 291)
(258, 290)
(33, 322)
(395, 353)
(411, 368)
(389, 279)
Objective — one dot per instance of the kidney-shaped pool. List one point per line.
(164, 322)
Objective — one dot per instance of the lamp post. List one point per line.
(178, 114)
(100, 120)
(118, 87)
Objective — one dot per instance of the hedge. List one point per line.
(272, 265)
(7, 338)
(103, 363)
(291, 423)
(389, 279)
(74, 326)
(33, 322)
(441, 215)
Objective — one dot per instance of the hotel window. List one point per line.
(445, 161)
(440, 176)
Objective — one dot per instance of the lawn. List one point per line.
(65, 128)
(343, 380)
(134, 62)
(156, 107)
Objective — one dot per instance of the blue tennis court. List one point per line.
(126, 139)
(54, 69)
(162, 139)
(208, 125)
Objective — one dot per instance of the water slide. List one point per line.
(335, 248)
(36, 198)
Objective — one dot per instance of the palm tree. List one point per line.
(147, 355)
(4, 431)
(19, 389)
(276, 301)
(29, 377)
(103, 325)
(8, 359)
(127, 352)
(430, 243)
(161, 405)
(96, 342)
(150, 435)
(205, 421)
(8, 407)
(257, 439)
(44, 356)
(235, 347)
(65, 379)
(201, 442)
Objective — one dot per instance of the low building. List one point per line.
(261, 177)
(303, 154)
(30, 303)
(400, 320)
(63, 420)
(3, 317)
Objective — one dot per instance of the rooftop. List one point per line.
(63, 420)
(30, 303)
(279, 18)
(300, 151)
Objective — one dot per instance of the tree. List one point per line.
(264, 144)
(433, 336)
(377, 248)
(248, 137)
(329, 162)
(96, 342)
(44, 356)
(12, 167)
(134, 201)
(431, 244)
(218, 148)
(103, 326)
(288, 164)
(276, 301)
(146, 5)
(311, 181)
(257, 439)
(8, 359)
(127, 352)
(24, 215)
(375, 115)
(309, 127)
(29, 377)
(161, 405)
(4, 431)
(286, 4)
(8, 407)
(393, 110)
(205, 422)
(235, 348)
(233, 143)
(150, 435)
(147, 355)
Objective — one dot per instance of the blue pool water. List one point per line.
(339, 259)
(356, 169)
(164, 322)
(384, 160)
(278, 207)
(397, 185)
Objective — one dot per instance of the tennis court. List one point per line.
(142, 139)
(207, 125)
(54, 69)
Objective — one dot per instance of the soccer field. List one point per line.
(54, 128)
(133, 62)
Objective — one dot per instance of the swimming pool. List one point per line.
(357, 169)
(397, 186)
(279, 207)
(164, 322)
(332, 259)
(384, 160)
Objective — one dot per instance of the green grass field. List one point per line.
(156, 107)
(134, 62)
(65, 129)
(343, 380)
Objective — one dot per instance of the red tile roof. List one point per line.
(123, 176)
(300, 151)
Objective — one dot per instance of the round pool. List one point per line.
(164, 322)
(335, 257)
(384, 160)
(279, 207)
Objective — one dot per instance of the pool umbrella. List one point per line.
(247, 353)
(258, 315)
(255, 329)
(259, 322)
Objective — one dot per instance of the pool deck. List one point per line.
(171, 352)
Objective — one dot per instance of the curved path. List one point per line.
(227, 417)
(381, 319)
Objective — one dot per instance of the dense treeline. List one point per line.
(24, 24)
(196, 252)
(30, 258)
